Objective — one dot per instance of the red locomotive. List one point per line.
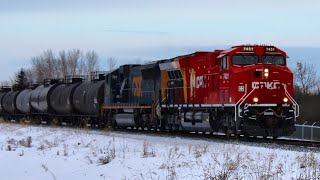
(243, 90)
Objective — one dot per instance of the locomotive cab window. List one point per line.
(273, 59)
(245, 59)
(224, 63)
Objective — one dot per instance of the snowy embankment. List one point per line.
(32, 153)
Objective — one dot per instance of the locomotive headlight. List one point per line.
(266, 73)
(285, 100)
(255, 99)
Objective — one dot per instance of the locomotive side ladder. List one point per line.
(237, 107)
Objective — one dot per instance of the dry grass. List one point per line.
(108, 154)
(309, 166)
(48, 170)
(199, 150)
(12, 144)
(26, 142)
(148, 150)
(194, 161)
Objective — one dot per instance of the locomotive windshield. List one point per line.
(245, 59)
(271, 59)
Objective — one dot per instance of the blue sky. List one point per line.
(129, 29)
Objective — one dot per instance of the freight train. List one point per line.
(244, 90)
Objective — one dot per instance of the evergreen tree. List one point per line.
(21, 81)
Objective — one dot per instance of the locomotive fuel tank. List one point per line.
(196, 121)
(61, 98)
(23, 101)
(8, 102)
(125, 120)
(40, 98)
(88, 97)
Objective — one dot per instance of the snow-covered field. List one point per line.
(32, 153)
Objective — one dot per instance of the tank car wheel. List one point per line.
(177, 128)
(238, 136)
(142, 127)
(37, 121)
(23, 121)
(228, 135)
(246, 135)
(49, 121)
(56, 122)
(5, 119)
(102, 125)
(170, 127)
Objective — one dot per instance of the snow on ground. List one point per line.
(32, 153)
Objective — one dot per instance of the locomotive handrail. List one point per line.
(296, 105)
(235, 107)
(243, 99)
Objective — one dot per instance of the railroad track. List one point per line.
(282, 142)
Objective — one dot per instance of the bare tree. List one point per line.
(5, 83)
(50, 64)
(82, 67)
(111, 63)
(71, 62)
(73, 57)
(45, 66)
(62, 60)
(306, 77)
(38, 67)
(92, 59)
(30, 75)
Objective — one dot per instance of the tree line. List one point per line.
(50, 65)
(307, 91)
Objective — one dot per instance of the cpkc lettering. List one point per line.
(267, 85)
